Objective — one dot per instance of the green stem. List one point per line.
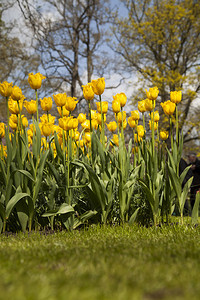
(36, 94)
(143, 120)
(170, 123)
(102, 125)
(8, 114)
(177, 137)
(152, 132)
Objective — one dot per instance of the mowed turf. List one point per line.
(119, 262)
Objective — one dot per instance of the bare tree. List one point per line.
(67, 34)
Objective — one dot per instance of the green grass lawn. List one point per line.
(102, 263)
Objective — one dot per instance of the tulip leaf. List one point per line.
(13, 201)
(133, 217)
(195, 210)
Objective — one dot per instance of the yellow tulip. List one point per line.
(137, 138)
(149, 105)
(140, 131)
(46, 103)
(6, 89)
(116, 106)
(47, 119)
(35, 81)
(72, 123)
(104, 107)
(120, 117)
(81, 118)
(98, 86)
(13, 106)
(63, 110)
(155, 125)
(30, 106)
(164, 135)
(87, 137)
(14, 118)
(152, 94)
(24, 122)
(156, 116)
(121, 97)
(112, 126)
(132, 123)
(95, 124)
(141, 106)
(168, 107)
(47, 128)
(63, 123)
(17, 93)
(115, 139)
(93, 114)
(76, 135)
(88, 92)
(12, 124)
(175, 97)
(71, 103)
(60, 99)
(135, 115)
(99, 118)
(2, 130)
(86, 124)
(124, 124)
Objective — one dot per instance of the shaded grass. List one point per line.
(102, 263)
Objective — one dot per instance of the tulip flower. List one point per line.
(81, 118)
(155, 115)
(151, 124)
(112, 126)
(98, 86)
(88, 92)
(86, 124)
(120, 116)
(135, 115)
(35, 81)
(46, 103)
(60, 99)
(31, 106)
(2, 130)
(132, 123)
(116, 106)
(17, 93)
(63, 111)
(121, 97)
(6, 89)
(141, 106)
(140, 131)
(24, 121)
(152, 94)
(71, 103)
(99, 118)
(168, 107)
(115, 139)
(14, 106)
(175, 97)
(47, 129)
(47, 119)
(104, 107)
(164, 135)
(149, 105)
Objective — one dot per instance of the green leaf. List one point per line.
(63, 209)
(26, 173)
(134, 216)
(13, 201)
(83, 218)
(195, 211)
